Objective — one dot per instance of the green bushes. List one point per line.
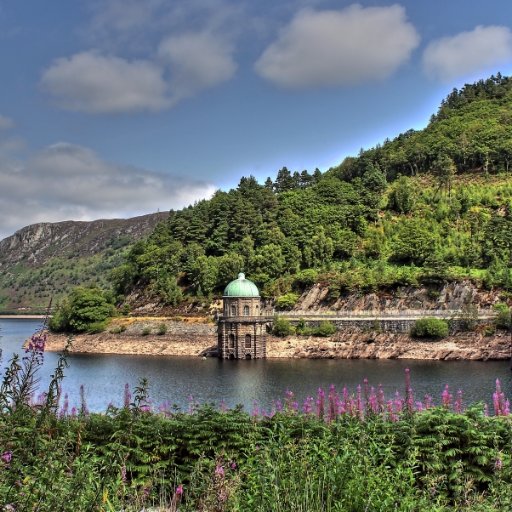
(430, 328)
(325, 329)
(84, 310)
(282, 327)
(287, 301)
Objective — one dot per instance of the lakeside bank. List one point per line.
(195, 337)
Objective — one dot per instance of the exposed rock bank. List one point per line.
(357, 345)
(191, 337)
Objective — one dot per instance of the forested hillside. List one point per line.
(429, 206)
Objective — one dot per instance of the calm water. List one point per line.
(176, 379)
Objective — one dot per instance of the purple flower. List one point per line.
(179, 490)
(6, 457)
(233, 466)
(498, 464)
(219, 471)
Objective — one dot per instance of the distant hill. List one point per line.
(46, 260)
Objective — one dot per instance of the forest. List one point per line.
(429, 206)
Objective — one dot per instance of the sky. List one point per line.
(117, 108)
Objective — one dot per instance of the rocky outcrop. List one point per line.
(451, 296)
(357, 345)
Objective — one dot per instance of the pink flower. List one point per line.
(179, 490)
(233, 466)
(6, 457)
(219, 470)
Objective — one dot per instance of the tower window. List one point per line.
(231, 341)
(233, 309)
(246, 310)
(248, 341)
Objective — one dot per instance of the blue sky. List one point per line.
(114, 108)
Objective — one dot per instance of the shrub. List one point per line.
(282, 327)
(146, 331)
(118, 329)
(302, 329)
(84, 309)
(430, 328)
(162, 329)
(502, 320)
(325, 329)
(287, 301)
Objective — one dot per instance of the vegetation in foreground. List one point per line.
(340, 452)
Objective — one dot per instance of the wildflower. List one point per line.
(233, 465)
(179, 490)
(307, 408)
(498, 464)
(6, 457)
(446, 397)
(219, 471)
(320, 404)
(127, 396)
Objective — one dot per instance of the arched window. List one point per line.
(246, 310)
(248, 341)
(233, 309)
(231, 341)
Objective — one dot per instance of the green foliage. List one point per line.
(503, 319)
(287, 301)
(162, 329)
(402, 195)
(430, 328)
(85, 310)
(281, 327)
(325, 329)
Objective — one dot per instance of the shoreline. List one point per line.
(22, 317)
(199, 340)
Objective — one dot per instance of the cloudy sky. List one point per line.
(114, 108)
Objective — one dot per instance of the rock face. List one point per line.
(462, 346)
(452, 296)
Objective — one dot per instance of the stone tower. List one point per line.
(242, 329)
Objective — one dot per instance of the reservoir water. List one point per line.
(176, 379)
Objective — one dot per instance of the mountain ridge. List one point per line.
(36, 262)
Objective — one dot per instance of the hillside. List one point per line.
(46, 260)
(429, 207)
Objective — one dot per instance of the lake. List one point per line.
(177, 379)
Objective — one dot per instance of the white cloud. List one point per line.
(197, 61)
(66, 181)
(91, 82)
(5, 123)
(336, 48)
(468, 52)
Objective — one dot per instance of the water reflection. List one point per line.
(176, 379)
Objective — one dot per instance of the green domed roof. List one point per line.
(241, 287)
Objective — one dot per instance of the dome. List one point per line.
(241, 287)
